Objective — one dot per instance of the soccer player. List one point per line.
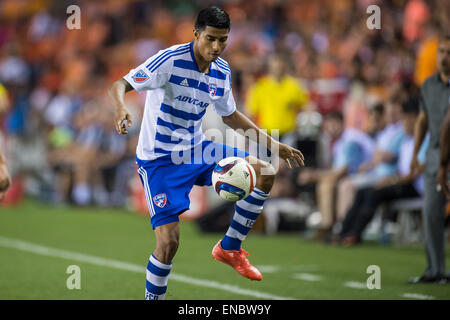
(181, 82)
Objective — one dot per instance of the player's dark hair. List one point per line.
(213, 17)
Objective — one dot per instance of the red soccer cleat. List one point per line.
(237, 259)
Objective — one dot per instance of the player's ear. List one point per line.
(196, 34)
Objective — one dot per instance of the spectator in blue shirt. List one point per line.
(403, 184)
(381, 165)
(351, 149)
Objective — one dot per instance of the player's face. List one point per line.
(211, 42)
(443, 57)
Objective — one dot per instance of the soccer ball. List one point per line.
(233, 178)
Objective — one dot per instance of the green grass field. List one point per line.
(292, 266)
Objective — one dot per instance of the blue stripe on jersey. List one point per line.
(205, 88)
(254, 201)
(185, 64)
(157, 271)
(222, 65)
(190, 65)
(174, 126)
(168, 57)
(216, 74)
(194, 84)
(174, 140)
(248, 214)
(155, 289)
(223, 62)
(191, 49)
(167, 139)
(181, 114)
(164, 54)
(159, 150)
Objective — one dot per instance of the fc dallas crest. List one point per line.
(160, 200)
(212, 89)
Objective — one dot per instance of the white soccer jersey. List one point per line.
(177, 97)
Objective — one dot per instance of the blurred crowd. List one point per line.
(344, 94)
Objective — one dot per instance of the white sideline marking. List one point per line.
(311, 267)
(280, 268)
(356, 285)
(58, 253)
(268, 269)
(307, 277)
(417, 296)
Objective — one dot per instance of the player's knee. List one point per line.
(266, 175)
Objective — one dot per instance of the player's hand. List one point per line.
(442, 178)
(291, 154)
(122, 120)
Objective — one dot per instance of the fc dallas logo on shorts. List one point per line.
(160, 200)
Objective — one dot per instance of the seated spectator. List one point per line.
(288, 201)
(117, 164)
(26, 148)
(350, 149)
(382, 164)
(400, 185)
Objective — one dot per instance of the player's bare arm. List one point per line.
(237, 120)
(117, 94)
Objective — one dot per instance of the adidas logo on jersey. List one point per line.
(184, 83)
